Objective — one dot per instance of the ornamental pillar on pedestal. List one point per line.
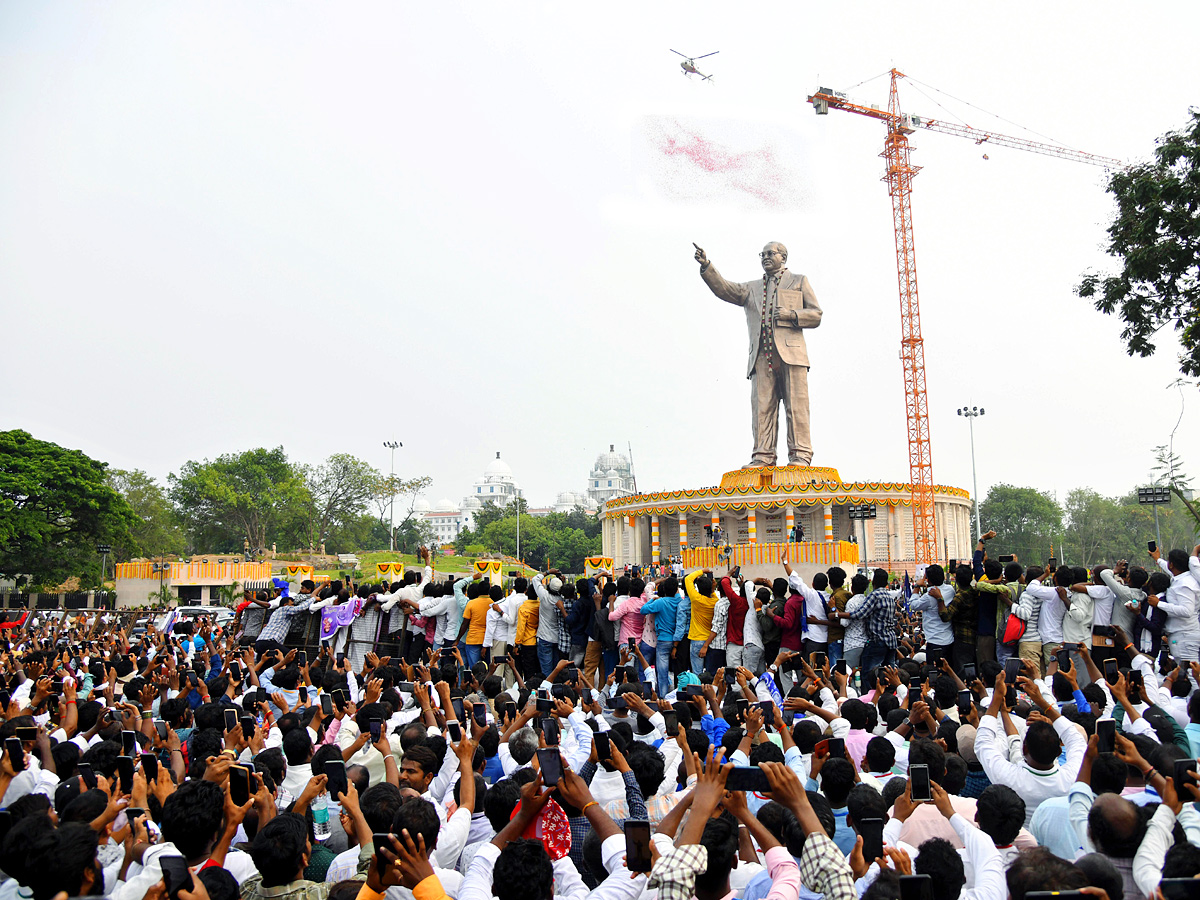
(683, 531)
(752, 525)
(828, 510)
(654, 539)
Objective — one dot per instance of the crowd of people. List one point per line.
(1004, 731)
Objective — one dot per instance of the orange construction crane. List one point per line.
(899, 172)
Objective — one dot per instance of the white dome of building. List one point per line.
(445, 505)
(498, 468)
(611, 476)
(497, 485)
(568, 500)
(421, 505)
(612, 460)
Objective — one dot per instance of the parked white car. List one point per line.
(222, 615)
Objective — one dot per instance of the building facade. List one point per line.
(611, 476)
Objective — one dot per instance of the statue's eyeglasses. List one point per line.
(767, 253)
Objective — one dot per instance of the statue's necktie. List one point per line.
(767, 335)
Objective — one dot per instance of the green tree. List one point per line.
(248, 496)
(338, 493)
(157, 528)
(1093, 530)
(1154, 234)
(55, 507)
(1169, 470)
(401, 492)
(1027, 522)
(552, 539)
(360, 533)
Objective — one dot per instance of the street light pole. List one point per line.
(971, 415)
(392, 445)
(862, 513)
(1155, 495)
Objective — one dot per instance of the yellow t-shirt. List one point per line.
(528, 615)
(702, 610)
(475, 613)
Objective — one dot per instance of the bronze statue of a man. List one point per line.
(778, 309)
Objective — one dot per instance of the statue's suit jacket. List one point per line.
(795, 295)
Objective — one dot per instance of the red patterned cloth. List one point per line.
(552, 829)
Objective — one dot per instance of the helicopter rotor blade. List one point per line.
(714, 53)
(685, 56)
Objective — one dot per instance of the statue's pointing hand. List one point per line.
(700, 257)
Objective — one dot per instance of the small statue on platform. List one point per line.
(778, 309)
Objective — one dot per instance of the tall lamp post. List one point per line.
(972, 414)
(862, 513)
(161, 568)
(103, 550)
(392, 445)
(1155, 495)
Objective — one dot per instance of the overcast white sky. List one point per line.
(228, 225)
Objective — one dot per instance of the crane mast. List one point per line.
(898, 174)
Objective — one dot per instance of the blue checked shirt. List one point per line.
(880, 612)
(280, 623)
(564, 633)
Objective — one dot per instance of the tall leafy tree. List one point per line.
(248, 496)
(560, 539)
(400, 494)
(1156, 237)
(55, 507)
(157, 527)
(339, 491)
(1026, 521)
(1093, 531)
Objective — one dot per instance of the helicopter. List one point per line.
(689, 65)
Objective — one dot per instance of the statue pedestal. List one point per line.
(756, 507)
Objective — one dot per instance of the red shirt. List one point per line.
(738, 607)
(792, 623)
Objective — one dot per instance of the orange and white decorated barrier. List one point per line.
(810, 552)
(491, 568)
(594, 564)
(189, 572)
(389, 571)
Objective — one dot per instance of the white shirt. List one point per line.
(505, 626)
(751, 633)
(1159, 837)
(440, 608)
(1034, 785)
(1180, 605)
(477, 885)
(344, 866)
(814, 605)
(1050, 624)
(296, 779)
(367, 755)
(1103, 599)
(936, 631)
(452, 837)
(983, 860)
